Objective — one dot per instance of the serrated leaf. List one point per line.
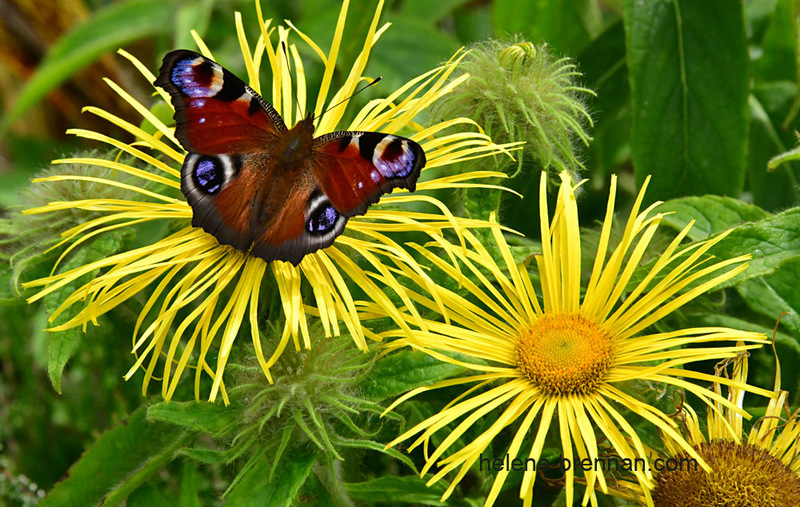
(776, 293)
(207, 456)
(409, 489)
(62, 343)
(255, 488)
(211, 418)
(399, 373)
(120, 461)
(772, 242)
(116, 25)
(688, 67)
(712, 214)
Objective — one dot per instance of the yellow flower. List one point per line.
(202, 291)
(547, 352)
(761, 468)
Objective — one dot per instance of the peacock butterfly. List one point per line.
(274, 192)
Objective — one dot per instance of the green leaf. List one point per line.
(147, 495)
(409, 48)
(192, 16)
(189, 497)
(688, 65)
(776, 46)
(431, 12)
(255, 488)
(62, 343)
(776, 293)
(604, 68)
(313, 492)
(772, 190)
(7, 296)
(782, 158)
(409, 489)
(772, 242)
(399, 373)
(757, 16)
(766, 240)
(472, 23)
(378, 447)
(120, 461)
(211, 418)
(207, 456)
(711, 213)
(109, 28)
(564, 24)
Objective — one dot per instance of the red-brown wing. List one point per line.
(304, 221)
(215, 111)
(354, 169)
(222, 191)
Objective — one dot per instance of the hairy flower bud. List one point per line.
(521, 92)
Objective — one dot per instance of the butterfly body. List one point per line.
(262, 188)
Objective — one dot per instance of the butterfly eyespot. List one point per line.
(197, 78)
(321, 217)
(392, 158)
(322, 220)
(209, 175)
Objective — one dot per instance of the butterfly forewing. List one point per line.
(216, 112)
(356, 168)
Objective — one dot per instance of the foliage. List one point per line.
(702, 96)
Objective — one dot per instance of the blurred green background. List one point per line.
(700, 94)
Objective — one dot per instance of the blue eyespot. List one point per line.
(195, 79)
(322, 220)
(209, 175)
(395, 162)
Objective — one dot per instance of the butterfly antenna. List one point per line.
(374, 81)
(289, 71)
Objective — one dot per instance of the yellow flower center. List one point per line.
(565, 354)
(742, 475)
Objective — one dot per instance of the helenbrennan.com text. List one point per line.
(606, 464)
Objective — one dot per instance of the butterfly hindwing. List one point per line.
(354, 169)
(217, 187)
(306, 223)
(215, 111)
